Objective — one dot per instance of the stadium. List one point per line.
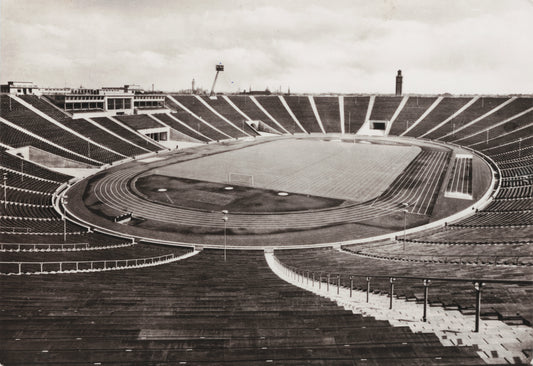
(145, 227)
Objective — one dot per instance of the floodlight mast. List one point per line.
(219, 68)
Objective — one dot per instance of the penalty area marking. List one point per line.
(164, 190)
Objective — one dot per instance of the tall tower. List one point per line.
(218, 69)
(192, 89)
(399, 78)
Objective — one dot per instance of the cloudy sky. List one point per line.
(456, 46)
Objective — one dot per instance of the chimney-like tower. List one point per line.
(399, 78)
(192, 86)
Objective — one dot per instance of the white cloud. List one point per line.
(474, 46)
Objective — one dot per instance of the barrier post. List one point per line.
(320, 281)
(477, 286)
(426, 290)
(338, 283)
(351, 285)
(368, 288)
(392, 279)
(327, 285)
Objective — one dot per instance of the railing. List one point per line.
(328, 279)
(63, 247)
(515, 260)
(14, 229)
(42, 247)
(19, 268)
(459, 243)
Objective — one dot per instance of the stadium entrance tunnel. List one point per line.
(379, 125)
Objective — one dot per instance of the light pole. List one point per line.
(405, 205)
(5, 190)
(225, 219)
(519, 147)
(404, 227)
(64, 202)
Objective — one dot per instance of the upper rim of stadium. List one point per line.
(30, 87)
(150, 120)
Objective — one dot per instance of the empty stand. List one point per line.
(499, 219)
(328, 110)
(195, 123)
(30, 121)
(123, 146)
(180, 127)
(478, 109)
(473, 235)
(44, 106)
(355, 109)
(28, 182)
(16, 138)
(53, 261)
(198, 310)
(514, 108)
(126, 133)
(301, 107)
(489, 254)
(24, 166)
(482, 136)
(445, 109)
(239, 312)
(225, 109)
(278, 111)
(138, 121)
(26, 196)
(458, 295)
(414, 108)
(248, 107)
(384, 108)
(198, 108)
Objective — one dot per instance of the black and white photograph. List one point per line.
(253, 182)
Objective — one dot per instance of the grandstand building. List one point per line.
(20, 88)
(109, 101)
